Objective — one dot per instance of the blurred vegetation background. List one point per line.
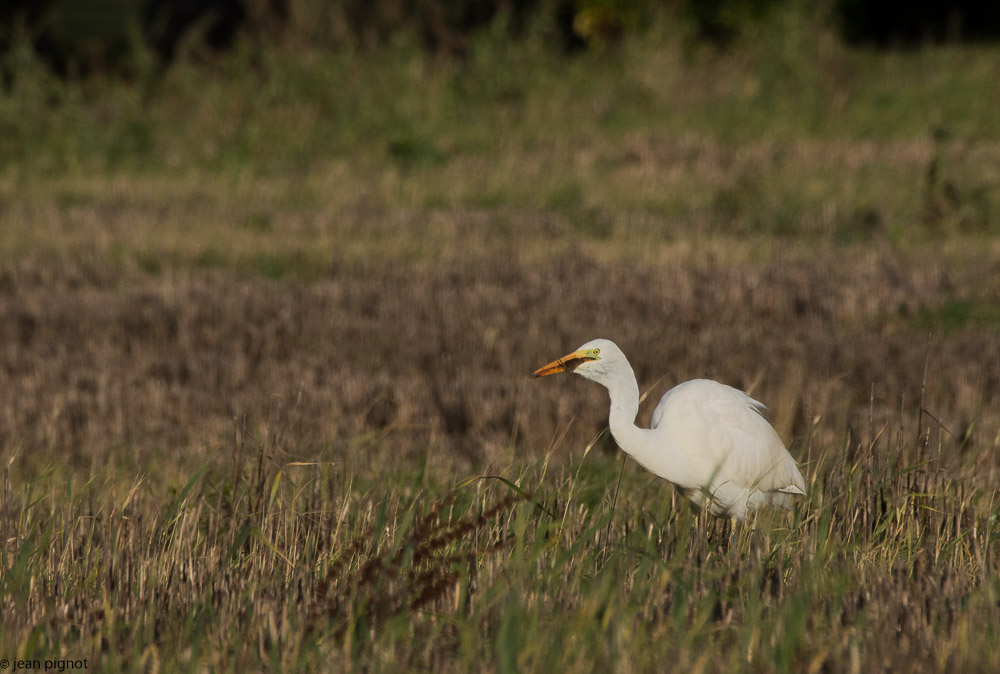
(347, 144)
(75, 34)
(284, 86)
(273, 274)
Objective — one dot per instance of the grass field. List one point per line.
(267, 324)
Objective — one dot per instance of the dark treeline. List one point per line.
(84, 35)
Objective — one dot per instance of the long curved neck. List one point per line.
(624, 392)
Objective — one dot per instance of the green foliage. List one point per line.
(411, 151)
(723, 21)
(441, 132)
(958, 314)
(278, 265)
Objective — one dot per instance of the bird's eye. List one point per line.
(597, 352)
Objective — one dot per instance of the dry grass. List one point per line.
(241, 407)
(101, 356)
(295, 567)
(319, 532)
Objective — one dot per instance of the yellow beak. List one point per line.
(567, 363)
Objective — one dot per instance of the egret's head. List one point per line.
(594, 360)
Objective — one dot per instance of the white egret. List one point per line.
(707, 438)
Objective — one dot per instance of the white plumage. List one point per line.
(707, 438)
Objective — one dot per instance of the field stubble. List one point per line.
(242, 406)
(330, 416)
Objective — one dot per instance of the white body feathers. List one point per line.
(707, 438)
(714, 441)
